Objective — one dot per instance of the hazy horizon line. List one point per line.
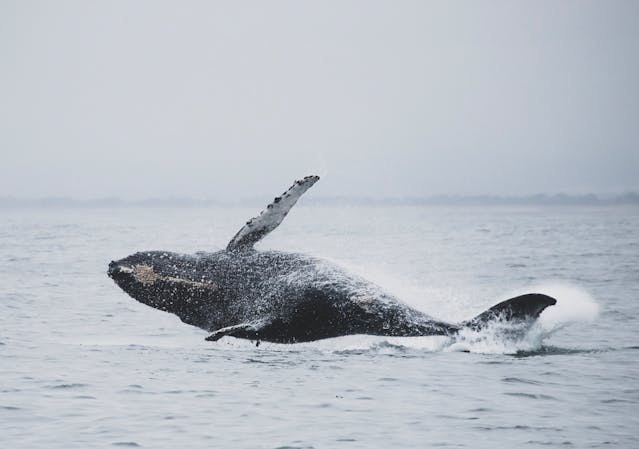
(559, 199)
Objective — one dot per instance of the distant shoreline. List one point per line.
(440, 200)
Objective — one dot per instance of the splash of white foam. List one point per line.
(499, 338)
(574, 305)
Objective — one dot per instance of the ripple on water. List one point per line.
(520, 427)
(553, 350)
(68, 386)
(520, 380)
(135, 391)
(531, 396)
(617, 400)
(548, 443)
(206, 394)
(295, 447)
(458, 417)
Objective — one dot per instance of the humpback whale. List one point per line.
(285, 297)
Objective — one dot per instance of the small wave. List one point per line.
(531, 396)
(548, 443)
(554, 350)
(65, 386)
(520, 380)
(295, 447)
(520, 427)
(617, 400)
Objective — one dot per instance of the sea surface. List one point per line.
(83, 365)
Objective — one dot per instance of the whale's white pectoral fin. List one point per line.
(243, 330)
(271, 217)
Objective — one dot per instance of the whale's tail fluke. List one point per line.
(519, 309)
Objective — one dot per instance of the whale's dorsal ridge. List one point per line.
(271, 217)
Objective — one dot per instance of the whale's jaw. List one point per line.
(116, 270)
(170, 283)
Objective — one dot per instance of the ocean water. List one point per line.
(85, 366)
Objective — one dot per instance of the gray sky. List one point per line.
(396, 98)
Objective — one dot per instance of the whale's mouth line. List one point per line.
(115, 269)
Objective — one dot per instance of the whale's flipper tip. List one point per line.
(521, 308)
(249, 331)
(271, 217)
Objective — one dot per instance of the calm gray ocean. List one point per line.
(82, 365)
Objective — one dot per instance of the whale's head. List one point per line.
(135, 272)
(167, 281)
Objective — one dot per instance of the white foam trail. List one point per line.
(499, 338)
